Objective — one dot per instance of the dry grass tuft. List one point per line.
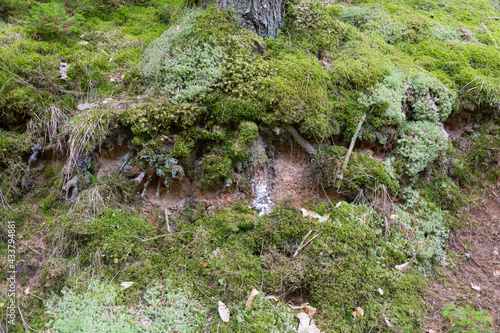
(85, 130)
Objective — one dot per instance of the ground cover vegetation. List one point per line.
(172, 91)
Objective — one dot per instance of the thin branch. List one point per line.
(351, 147)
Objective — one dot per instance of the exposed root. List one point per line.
(300, 140)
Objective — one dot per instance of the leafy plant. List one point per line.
(47, 21)
(466, 319)
(93, 311)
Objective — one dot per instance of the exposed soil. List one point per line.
(475, 248)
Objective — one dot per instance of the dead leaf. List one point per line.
(491, 314)
(126, 285)
(274, 298)
(63, 68)
(223, 312)
(84, 106)
(310, 310)
(475, 286)
(304, 322)
(496, 272)
(297, 307)
(253, 293)
(27, 291)
(216, 252)
(359, 311)
(403, 267)
(83, 42)
(308, 213)
(312, 328)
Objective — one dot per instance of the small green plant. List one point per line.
(423, 143)
(466, 319)
(93, 311)
(215, 168)
(47, 21)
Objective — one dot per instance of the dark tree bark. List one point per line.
(265, 17)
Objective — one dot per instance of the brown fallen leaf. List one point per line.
(216, 252)
(496, 272)
(223, 312)
(274, 298)
(297, 307)
(475, 286)
(310, 310)
(403, 267)
(359, 311)
(254, 293)
(491, 314)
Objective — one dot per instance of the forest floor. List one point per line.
(476, 277)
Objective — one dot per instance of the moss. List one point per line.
(215, 168)
(445, 194)
(13, 146)
(315, 27)
(114, 236)
(362, 173)
(402, 97)
(423, 144)
(157, 117)
(49, 203)
(299, 96)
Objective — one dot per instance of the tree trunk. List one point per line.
(265, 17)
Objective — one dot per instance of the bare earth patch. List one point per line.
(476, 248)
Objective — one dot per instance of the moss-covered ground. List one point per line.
(188, 95)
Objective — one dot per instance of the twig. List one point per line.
(496, 196)
(301, 246)
(21, 314)
(32, 249)
(467, 251)
(489, 33)
(351, 147)
(166, 220)
(148, 239)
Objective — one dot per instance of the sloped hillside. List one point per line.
(162, 166)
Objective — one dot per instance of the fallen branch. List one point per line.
(351, 147)
(489, 33)
(148, 239)
(467, 251)
(302, 245)
(166, 220)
